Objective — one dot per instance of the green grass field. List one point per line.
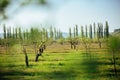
(58, 62)
(73, 65)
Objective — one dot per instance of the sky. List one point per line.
(63, 14)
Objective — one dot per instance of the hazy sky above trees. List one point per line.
(61, 13)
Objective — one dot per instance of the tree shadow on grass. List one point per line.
(90, 68)
(62, 75)
(53, 75)
(19, 72)
(5, 73)
(110, 73)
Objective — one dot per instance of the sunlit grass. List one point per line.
(57, 66)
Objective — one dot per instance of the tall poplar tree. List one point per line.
(70, 33)
(98, 31)
(98, 35)
(55, 33)
(101, 30)
(51, 32)
(46, 34)
(76, 30)
(90, 32)
(82, 32)
(20, 33)
(13, 34)
(8, 33)
(16, 33)
(86, 32)
(94, 30)
(4, 29)
(106, 29)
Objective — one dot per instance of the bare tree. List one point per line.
(26, 56)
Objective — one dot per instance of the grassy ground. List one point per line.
(59, 63)
(57, 66)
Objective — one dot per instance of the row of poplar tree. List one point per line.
(92, 31)
(35, 34)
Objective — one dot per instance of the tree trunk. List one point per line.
(36, 59)
(71, 45)
(114, 62)
(86, 50)
(74, 46)
(26, 57)
(26, 60)
(99, 43)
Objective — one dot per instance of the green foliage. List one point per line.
(4, 4)
(35, 35)
(114, 43)
(114, 47)
(46, 34)
(42, 2)
(2, 41)
(12, 42)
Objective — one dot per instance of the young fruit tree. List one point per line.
(26, 57)
(113, 44)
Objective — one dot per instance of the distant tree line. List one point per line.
(91, 31)
(32, 35)
(95, 31)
